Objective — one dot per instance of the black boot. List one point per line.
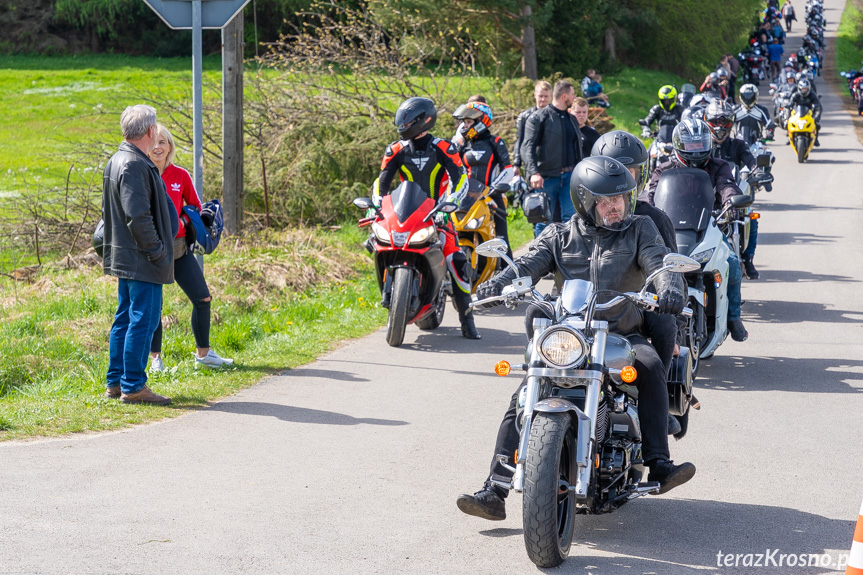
(738, 331)
(674, 426)
(465, 316)
(749, 269)
(669, 475)
(486, 503)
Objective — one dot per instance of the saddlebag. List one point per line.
(680, 382)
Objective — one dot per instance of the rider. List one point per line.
(419, 157)
(750, 114)
(485, 156)
(713, 86)
(603, 191)
(666, 112)
(719, 117)
(693, 146)
(805, 96)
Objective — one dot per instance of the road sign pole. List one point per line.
(197, 97)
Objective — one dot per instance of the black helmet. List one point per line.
(748, 95)
(692, 142)
(804, 87)
(415, 116)
(722, 73)
(720, 117)
(626, 149)
(693, 112)
(598, 177)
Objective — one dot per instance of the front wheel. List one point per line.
(802, 148)
(549, 507)
(399, 303)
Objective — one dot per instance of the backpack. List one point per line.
(204, 229)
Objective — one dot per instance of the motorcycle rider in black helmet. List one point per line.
(602, 191)
(693, 148)
(806, 96)
(666, 113)
(485, 156)
(720, 117)
(419, 157)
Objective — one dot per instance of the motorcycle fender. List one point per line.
(583, 441)
(697, 295)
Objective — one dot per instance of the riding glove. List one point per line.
(487, 290)
(670, 301)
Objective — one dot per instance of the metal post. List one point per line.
(232, 124)
(198, 105)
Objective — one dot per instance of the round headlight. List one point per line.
(562, 347)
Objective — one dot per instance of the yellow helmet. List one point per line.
(668, 97)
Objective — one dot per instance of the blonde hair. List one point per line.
(542, 85)
(169, 157)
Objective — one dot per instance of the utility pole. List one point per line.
(232, 124)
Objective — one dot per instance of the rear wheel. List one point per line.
(399, 302)
(434, 320)
(549, 507)
(802, 144)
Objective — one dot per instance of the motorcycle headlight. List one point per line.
(420, 236)
(381, 233)
(562, 347)
(703, 257)
(474, 223)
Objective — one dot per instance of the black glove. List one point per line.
(487, 290)
(670, 301)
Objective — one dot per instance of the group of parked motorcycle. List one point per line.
(579, 433)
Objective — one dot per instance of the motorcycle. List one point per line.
(753, 65)
(474, 223)
(660, 149)
(801, 132)
(579, 449)
(687, 196)
(409, 261)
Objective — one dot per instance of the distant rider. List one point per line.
(666, 113)
(805, 96)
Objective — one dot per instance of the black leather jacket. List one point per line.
(140, 220)
(613, 260)
(519, 136)
(667, 120)
(750, 123)
(542, 148)
(484, 157)
(735, 152)
(720, 176)
(811, 100)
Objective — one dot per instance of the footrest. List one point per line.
(644, 488)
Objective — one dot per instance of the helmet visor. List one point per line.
(612, 212)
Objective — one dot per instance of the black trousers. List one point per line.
(652, 410)
(190, 278)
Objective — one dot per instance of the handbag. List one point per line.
(536, 207)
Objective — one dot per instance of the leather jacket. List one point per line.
(811, 100)
(735, 152)
(613, 260)
(720, 174)
(667, 120)
(520, 122)
(484, 158)
(140, 220)
(543, 144)
(752, 122)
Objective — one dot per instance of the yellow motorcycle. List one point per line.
(474, 224)
(801, 132)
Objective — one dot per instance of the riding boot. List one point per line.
(465, 316)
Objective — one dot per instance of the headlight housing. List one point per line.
(704, 256)
(421, 236)
(381, 233)
(474, 223)
(562, 347)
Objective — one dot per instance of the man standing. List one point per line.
(542, 96)
(788, 14)
(774, 56)
(552, 147)
(140, 225)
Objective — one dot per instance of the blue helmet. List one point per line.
(204, 229)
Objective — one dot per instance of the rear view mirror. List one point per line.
(492, 248)
(363, 203)
(447, 208)
(680, 263)
(741, 201)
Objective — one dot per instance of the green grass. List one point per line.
(849, 38)
(633, 91)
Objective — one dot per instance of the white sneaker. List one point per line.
(156, 365)
(212, 359)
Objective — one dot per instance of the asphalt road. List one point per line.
(352, 464)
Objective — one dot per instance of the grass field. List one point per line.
(849, 38)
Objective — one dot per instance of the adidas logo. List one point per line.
(420, 163)
(175, 187)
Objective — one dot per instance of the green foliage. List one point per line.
(849, 37)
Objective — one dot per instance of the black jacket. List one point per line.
(520, 122)
(750, 123)
(667, 119)
(720, 176)
(613, 260)
(735, 152)
(140, 220)
(542, 148)
(484, 158)
(810, 100)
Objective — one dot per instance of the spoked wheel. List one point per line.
(399, 303)
(549, 506)
(434, 320)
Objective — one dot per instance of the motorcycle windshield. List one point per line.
(407, 198)
(686, 195)
(575, 295)
(472, 193)
(801, 111)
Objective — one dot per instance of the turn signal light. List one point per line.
(717, 278)
(628, 374)
(502, 368)
(754, 216)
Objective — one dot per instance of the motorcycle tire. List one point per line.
(802, 147)
(399, 303)
(547, 514)
(434, 320)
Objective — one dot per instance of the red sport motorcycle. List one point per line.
(408, 252)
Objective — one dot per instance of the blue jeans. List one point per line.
(138, 310)
(735, 279)
(557, 190)
(749, 252)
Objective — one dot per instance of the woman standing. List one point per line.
(187, 272)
